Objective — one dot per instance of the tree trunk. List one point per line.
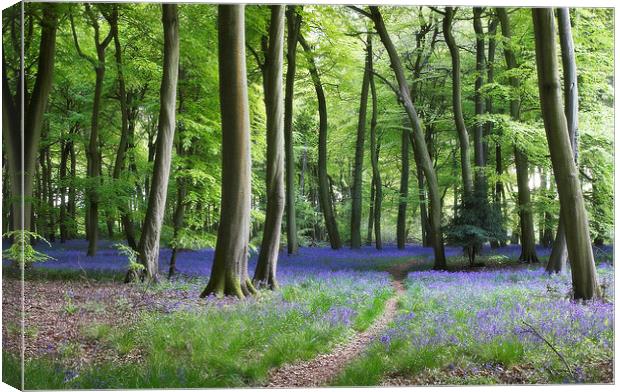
(21, 167)
(231, 250)
(371, 212)
(265, 274)
(479, 144)
(374, 152)
(293, 22)
(356, 192)
(528, 240)
(420, 149)
(457, 107)
(151, 228)
(123, 145)
(401, 224)
(558, 257)
(50, 197)
(585, 284)
(324, 198)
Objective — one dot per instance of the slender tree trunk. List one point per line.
(401, 225)
(151, 228)
(356, 192)
(72, 191)
(559, 254)
(62, 187)
(457, 107)
(528, 240)
(324, 198)
(50, 196)
(123, 145)
(585, 284)
(374, 152)
(371, 212)
(265, 274)
(231, 250)
(293, 22)
(479, 144)
(420, 149)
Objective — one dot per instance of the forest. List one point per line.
(201, 195)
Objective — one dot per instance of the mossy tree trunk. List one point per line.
(420, 149)
(559, 254)
(323, 182)
(265, 274)
(573, 210)
(526, 219)
(356, 191)
(151, 228)
(229, 272)
(293, 21)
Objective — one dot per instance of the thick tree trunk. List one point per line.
(374, 153)
(34, 109)
(585, 284)
(420, 149)
(526, 219)
(324, 198)
(293, 22)
(151, 228)
(265, 274)
(401, 224)
(558, 257)
(457, 108)
(356, 191)
(231, 250)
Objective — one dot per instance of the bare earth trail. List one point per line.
(325, 367)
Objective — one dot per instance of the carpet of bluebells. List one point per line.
(477, 327)
(452, 327)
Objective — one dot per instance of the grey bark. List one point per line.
(231, 249)
(401, 224)
(479, 144)
(265, 274)
(293, 22)
(151, 228)
(583, 270)
(526, 219)
(324, 197)
(559, 253)
(420, 149)
(356, 191)
(374, 153)
(457, 108)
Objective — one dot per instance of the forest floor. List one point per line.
(343, 317)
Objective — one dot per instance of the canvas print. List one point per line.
(278, 196)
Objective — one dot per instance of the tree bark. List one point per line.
(420, 149)
(121, 152)
(559, 254)
(457, 108)
(33, 109)
(371, 212)
(401, 224)
(479, 144)
(356, 191)
(528, 240)
(583, 270)
(293, 23)
(151, 228)
(265, 274)
(374, 152)
(231, 249)
(324, 198)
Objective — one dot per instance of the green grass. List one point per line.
(233, 345)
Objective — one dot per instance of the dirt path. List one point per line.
(325, 367)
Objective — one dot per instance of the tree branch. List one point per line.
(360, 11)
(77, 44)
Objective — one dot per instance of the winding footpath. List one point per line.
(322, 369)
